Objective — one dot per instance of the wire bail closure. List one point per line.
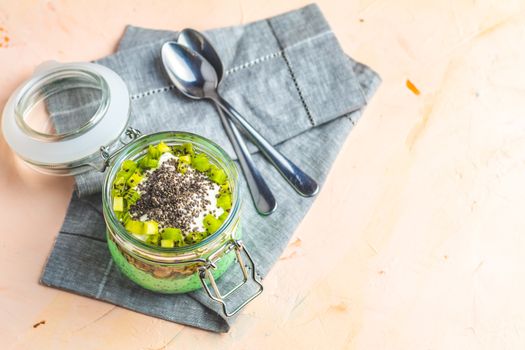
(204, 272)
(131, 133)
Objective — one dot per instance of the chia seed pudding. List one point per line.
(172, 208)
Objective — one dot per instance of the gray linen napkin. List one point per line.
(289, 77)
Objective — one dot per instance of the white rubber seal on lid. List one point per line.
(77, 147)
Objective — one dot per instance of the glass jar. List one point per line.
(102, 140)
(179, 269)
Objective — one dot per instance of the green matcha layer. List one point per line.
(171, 197)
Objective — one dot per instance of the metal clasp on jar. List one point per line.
(204, 272)
(131, 133)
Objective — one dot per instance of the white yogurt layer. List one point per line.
(165, 157)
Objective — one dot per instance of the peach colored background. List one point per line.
(425, 202)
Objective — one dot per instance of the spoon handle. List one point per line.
(262, 196)
(299, 180)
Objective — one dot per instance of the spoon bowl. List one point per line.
(197, 42)
(189, 71)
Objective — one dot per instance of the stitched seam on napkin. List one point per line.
(254, 62)
(285, 58)
(151, 92)
(104, 278)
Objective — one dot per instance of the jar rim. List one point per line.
(39, 90)
(134, 149)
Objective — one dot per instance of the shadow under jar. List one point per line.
(59, 143)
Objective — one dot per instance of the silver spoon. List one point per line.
(262, 196)
(195, 77)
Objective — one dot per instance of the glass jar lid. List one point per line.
(59, 119)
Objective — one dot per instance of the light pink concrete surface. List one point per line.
(417, 238)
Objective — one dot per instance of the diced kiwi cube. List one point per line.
(124, 174)
(153, 163)
(148, 163)
(172, 233)
(128, 166)
(211, 223)
(223, 217)
(194, 237)
(153, 152)
(182, 167)
(124, 217)
(200, 162)
(213, 168)
(118, 203)
(185, 159)
(153, 239)
(150, 227)
(134, 226)
(167, 243)
(131, 196)
(218, 176)
(163, 148)
(225, 187)
(119, 215)
(224, 201)
(188, 149)
(119, 183)
(144, 162)
(178, 150)
(134, 180)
